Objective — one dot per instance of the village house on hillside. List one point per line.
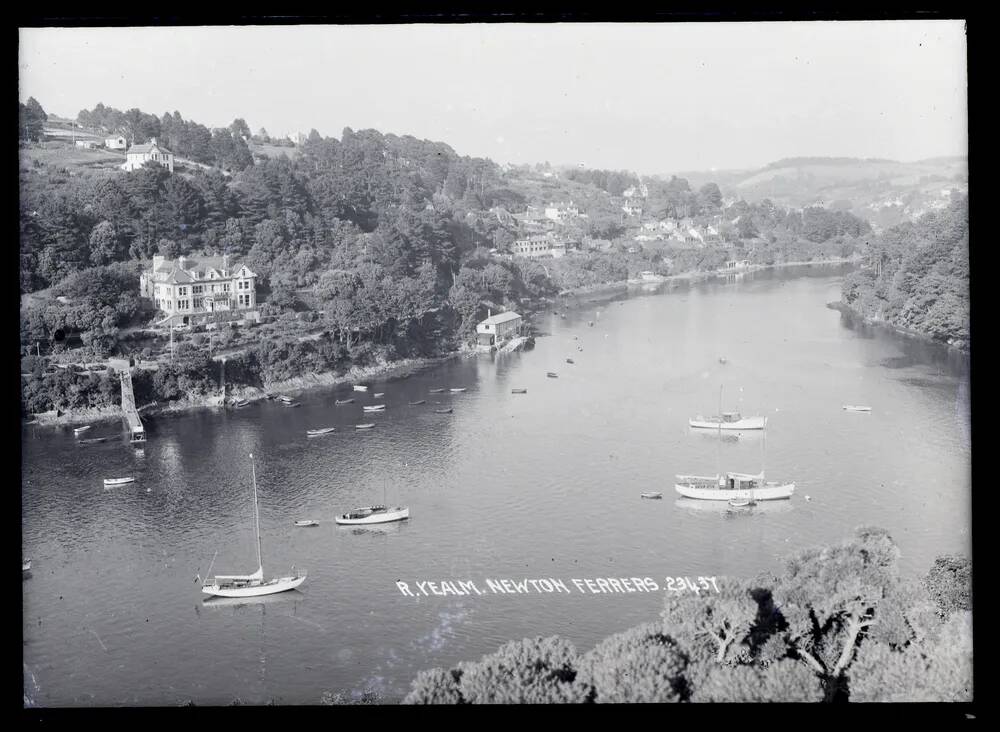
(115, 143)
(139, 155)
(195, 290)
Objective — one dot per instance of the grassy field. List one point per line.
(70, 157)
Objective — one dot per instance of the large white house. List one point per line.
(194, 290)
(139, 155)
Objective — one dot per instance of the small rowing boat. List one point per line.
(366, 426)
(379, 394)
(435, 391)
(360, 387)
(418, 402)
(740, 502)
(457, 391)
(321, 431)
(443, 411)
(108, 482)
(552, 375)
(651, 494)
(307, 522)
(285, 399)
(856, 408)
(93, 440)
(292, 404)
(375, 408)
(338, 402)
(569, 360)
(81, 430)
(518, 391)
(240, 404)
(722, 359)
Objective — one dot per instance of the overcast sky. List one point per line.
(654, 98)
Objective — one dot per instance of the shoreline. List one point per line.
(954, 345)
(602, 288)
(389, 371)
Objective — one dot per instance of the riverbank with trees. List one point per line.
(916, 278)
(840, 624)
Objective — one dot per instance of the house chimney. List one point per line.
(225, 263)
(157, 261)
(182, 261)
(152, 140)
(489, 313)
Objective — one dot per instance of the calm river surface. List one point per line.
(539, 485)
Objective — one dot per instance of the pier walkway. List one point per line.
(137, 433)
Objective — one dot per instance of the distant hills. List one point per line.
(885, 192)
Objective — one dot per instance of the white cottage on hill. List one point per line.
(139, 155)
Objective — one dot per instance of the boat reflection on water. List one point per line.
(393, 527)
(725, 508)
(745, 436)
(217, 602)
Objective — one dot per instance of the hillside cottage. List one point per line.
(115, 143)
(139, 155)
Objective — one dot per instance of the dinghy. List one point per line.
(375, 408)
(93, 440)
(651, 494)
(443, 411)
(360, 387)
(552, 375)
(109, 482)
(457, 391)
(418, 402)
(518, 391)
(435, 391)
(81, 430)
(285, 399)
(856, 408)
(240, 404)
(366, 426)
(321, 431)
(569, 360)
(374, 515)
(307, 522)
(293, 404)
(338, 402)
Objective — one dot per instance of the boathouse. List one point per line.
(497, 328)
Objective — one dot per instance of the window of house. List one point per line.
(225, 287)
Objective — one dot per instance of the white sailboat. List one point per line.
(740, 489)
(251, 585)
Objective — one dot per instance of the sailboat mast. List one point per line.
(256, 512)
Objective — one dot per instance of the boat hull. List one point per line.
(375, 518)
(769, 492)
(747, 423)
(280, 584)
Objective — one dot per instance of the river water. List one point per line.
(540, 485)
